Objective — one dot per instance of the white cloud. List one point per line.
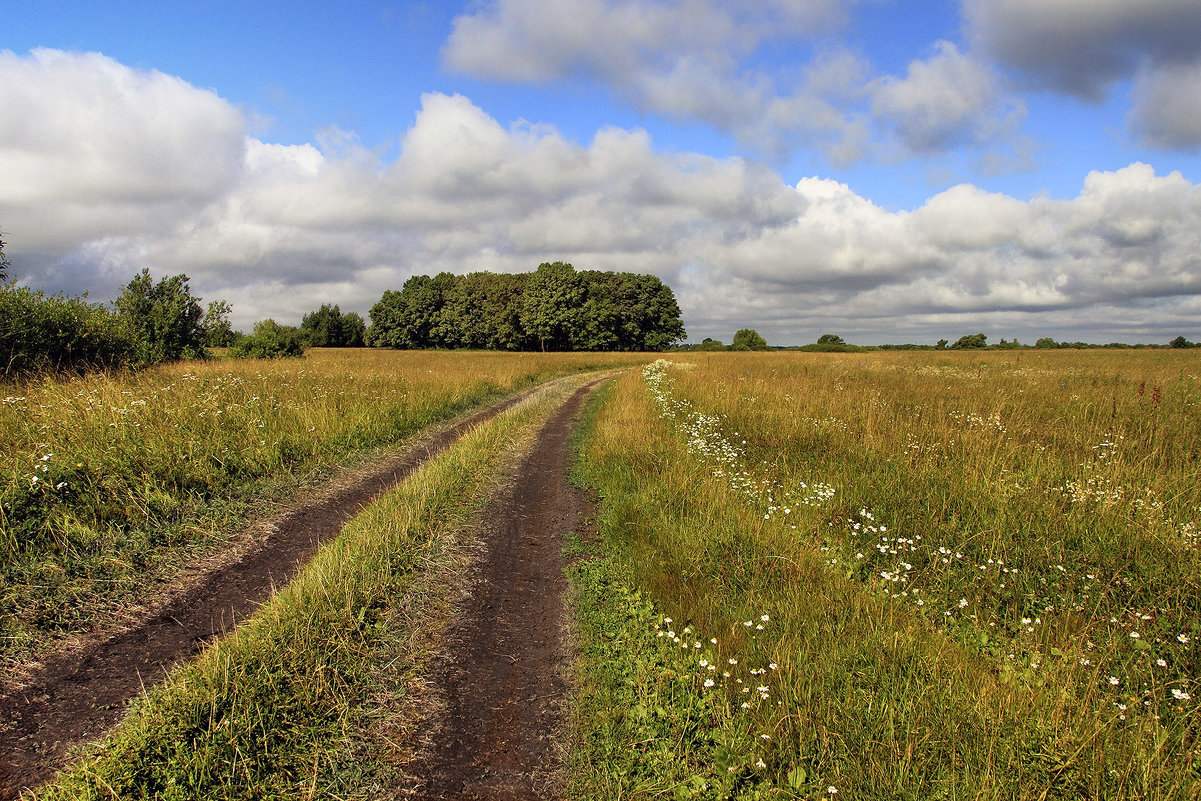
(109, 149)
(277, 229)
(1086, 47)
(698, 61)
(948, 100)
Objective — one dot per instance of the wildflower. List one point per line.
(764, 618)
(1183, 638)
(733, 661)
(1134, 635)
(1180, 695)
(832, 790)
(761, 764)
(962, 603)
(772, 666)
(1113, 680)
(1161, 662)
(703, 663)
(708, 682)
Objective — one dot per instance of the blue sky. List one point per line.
(890, 170)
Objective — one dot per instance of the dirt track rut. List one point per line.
(501, 678)
(77, 696)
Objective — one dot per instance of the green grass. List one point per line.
(313, 696)
(109, 483)
(953, 552)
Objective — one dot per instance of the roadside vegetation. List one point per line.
(894, 575)
(317, 695)
(108, 482)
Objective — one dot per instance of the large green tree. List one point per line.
(328, 327)
(164, 317)
(218, 331)
(550, 310)
(748, 339)
(411, 317)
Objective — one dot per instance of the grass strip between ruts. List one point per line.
(289, 705)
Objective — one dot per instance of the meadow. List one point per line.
(112, 481)
(894, 575)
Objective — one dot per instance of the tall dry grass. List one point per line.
(980, 572)
(109, 481)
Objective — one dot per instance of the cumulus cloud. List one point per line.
(948, 100)
(112, 149)
(278, 229)
(1086, 47)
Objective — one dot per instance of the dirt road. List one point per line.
(76, 696)
(500, 681)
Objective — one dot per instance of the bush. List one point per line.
(270, 340)
(59, 334)
(165, 318)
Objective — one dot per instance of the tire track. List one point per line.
(76, 697)
(500, 682)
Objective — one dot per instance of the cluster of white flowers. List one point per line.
(726, 455)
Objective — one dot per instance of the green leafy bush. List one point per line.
(41, 334)
(270, 340)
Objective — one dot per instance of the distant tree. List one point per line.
(748, 339)
(830, 339)
(4, 265)
(1180, 342)
(164, 317)
(942, 343)
(354, 330)
(270, 340)
(327, 327)
(554, 308)
(709, 344)
(549, 311)
(1045, 343)
(218, 332)
(969, 341)
(412, 317)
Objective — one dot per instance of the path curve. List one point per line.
(77, 696)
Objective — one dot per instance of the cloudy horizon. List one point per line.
(1014, 167)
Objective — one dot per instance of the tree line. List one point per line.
(554, 308)
(749, 339)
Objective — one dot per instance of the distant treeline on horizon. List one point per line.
(554, 308)
(832, 343)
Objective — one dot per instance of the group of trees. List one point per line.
(555, 308)
(151, 322)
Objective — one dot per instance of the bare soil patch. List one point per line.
(77, 695)
(500, 683)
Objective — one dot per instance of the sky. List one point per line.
(886, 170)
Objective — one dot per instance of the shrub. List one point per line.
(270, 340)
(59, 334)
